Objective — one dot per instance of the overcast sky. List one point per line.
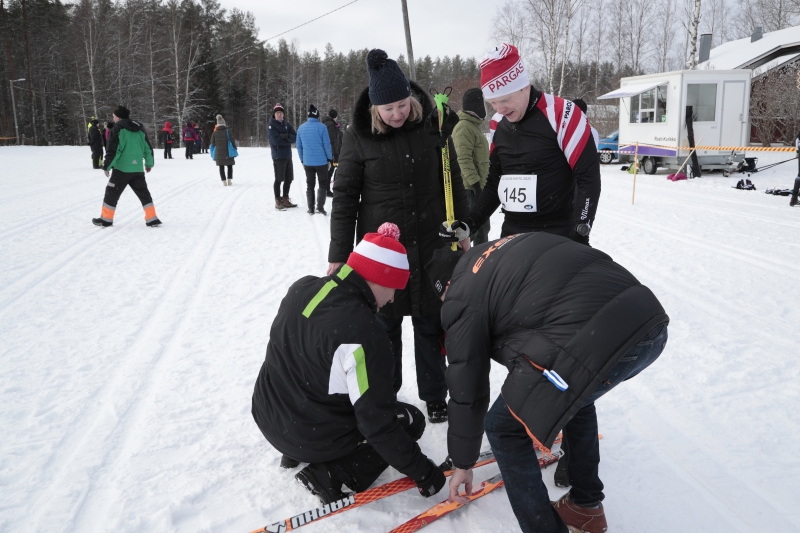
(462, 27)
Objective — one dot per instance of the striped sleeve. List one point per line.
(569, 123)
(349, 372)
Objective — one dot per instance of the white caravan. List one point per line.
(652, 112)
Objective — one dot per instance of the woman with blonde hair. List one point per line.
(390, 170)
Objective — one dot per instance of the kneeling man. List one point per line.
(569, 324)
(324, 395)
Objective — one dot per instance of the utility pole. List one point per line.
(412, 71)
(14, 107)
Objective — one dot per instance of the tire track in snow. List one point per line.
(106, 424)
(25, 283)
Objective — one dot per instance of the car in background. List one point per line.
(608, 148)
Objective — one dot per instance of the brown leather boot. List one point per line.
(580, 519)
(287, 202)
(279, 204)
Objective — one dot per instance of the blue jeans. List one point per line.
(517, 458)
(428, 337)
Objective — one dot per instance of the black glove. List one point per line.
(457, 231)
(477, 189)
(284, 136)
(450, 121)
(433, 481)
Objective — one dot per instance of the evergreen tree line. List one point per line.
(172, 60)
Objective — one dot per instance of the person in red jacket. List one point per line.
(166, 136)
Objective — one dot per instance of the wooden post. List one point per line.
(412, 71)
(635, 170)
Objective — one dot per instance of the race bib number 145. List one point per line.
(517, 192)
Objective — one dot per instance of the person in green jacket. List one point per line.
(129, 152)
(473, 152)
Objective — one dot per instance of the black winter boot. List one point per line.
(318, 481)
(101, 222)
(437, 412)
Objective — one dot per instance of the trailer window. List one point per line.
(703, 99)
(650, 106)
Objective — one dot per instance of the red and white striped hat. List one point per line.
(502, 72)
(381, 259)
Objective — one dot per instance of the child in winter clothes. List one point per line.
(166, 135)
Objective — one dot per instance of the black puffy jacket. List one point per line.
(326, 382)
(333, 134)
(543, 299)
(281, 148)
(396, 177)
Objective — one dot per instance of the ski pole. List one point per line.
(441, 100)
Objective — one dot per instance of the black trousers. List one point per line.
(222, 172)
(168, 151)
(117, 183)
(314, 174)
(796, 189)
(284, 172)
(362, 467)
(189, 149)
(97, 157)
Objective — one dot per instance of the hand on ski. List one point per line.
(455, 232)
(460, 477)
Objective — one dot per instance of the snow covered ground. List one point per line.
(128, 354)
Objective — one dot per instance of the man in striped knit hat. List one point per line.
(324, 395)
(542, 152)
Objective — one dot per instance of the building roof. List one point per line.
(772, 50)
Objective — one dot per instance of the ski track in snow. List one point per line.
(129, 355)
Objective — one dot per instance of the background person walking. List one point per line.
(188, 134)
(222, 156)
(281, 136)
(166, 136)
(129, 150)
(96, 143)
(335, 135)
(314, 149)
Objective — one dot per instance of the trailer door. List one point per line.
(732, 113)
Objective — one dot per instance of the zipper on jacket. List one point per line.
(551, 375)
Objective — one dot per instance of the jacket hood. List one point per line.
(463, 115)
(167, 126)
(362, 119)
(130, 125)
(328, 120)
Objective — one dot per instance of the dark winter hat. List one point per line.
(278, 107)
(473, 101)
(333, 113)
(441, 266)
(313, 112)
(122, 112)
(387, 83)
(581, 104)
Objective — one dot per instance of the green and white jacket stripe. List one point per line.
(326, 382)
(349, 372)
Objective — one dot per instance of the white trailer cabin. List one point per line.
(652, 113)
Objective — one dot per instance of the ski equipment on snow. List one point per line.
(446, 507)
(356, 500)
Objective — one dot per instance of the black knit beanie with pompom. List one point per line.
(387, 83)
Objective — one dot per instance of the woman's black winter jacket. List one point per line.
(394, 177)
